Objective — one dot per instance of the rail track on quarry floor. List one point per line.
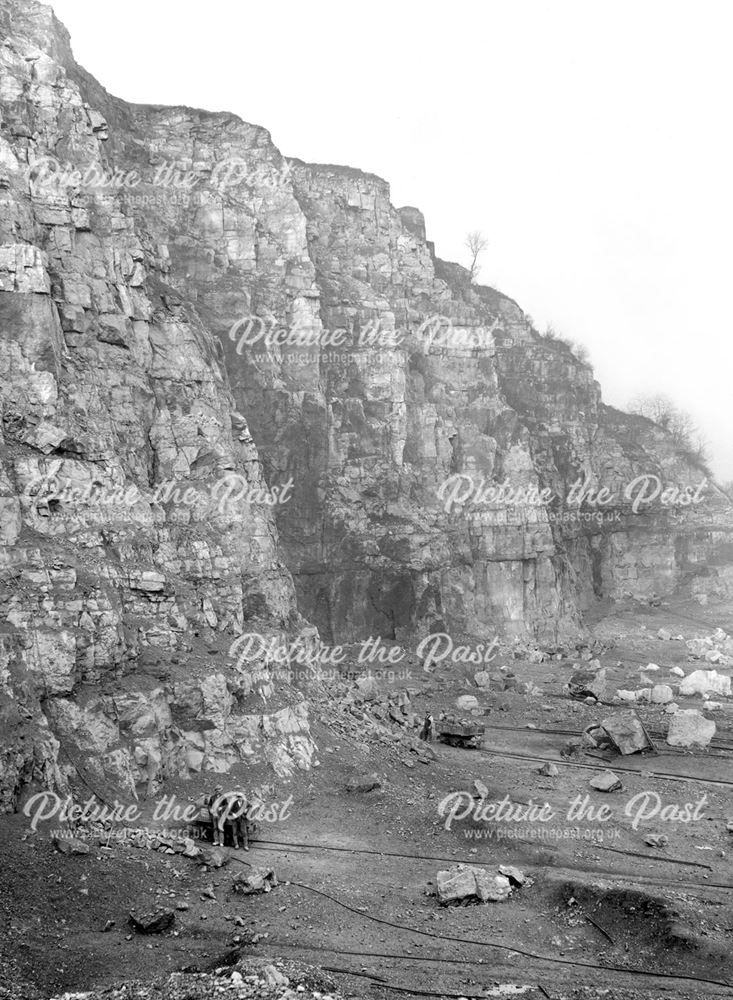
(302, 848)
(717, 743)
(563, 762)
(537, 959)
(478, 965)
(673, 609)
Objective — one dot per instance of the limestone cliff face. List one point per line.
(116, 616)
(647, 539)
(400, 422)
(133, 313)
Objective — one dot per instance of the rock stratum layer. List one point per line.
(140, 247)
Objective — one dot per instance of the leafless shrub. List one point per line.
(686, 437)
(580, 351)
(475, 243)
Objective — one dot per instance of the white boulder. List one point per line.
(662, 694)
(706, 682)
(688, 728)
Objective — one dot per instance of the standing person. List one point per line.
(426, 732)
(229, 809)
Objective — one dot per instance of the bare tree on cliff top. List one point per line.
(663, 411)
(680, 424)
(475, 243)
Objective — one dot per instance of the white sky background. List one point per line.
(591, 143)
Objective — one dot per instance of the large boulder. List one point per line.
(690, 728)
(626, 732)
(706, 682)
(589, 684)
(662, 694)
(274, 978)
(456, 883)
(367, 688)
(254, 880)
(606, 781)
(152, 921)
(549, 770)
(492, 888)
(515, 875)
(464, 882)
(466, 702)
(213, 857)
(363, 783)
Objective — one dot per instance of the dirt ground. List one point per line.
(604, 914)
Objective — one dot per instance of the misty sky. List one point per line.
(591, 143)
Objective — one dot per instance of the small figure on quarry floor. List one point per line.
(229, 809)
(428, 727)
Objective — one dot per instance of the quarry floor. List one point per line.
(604, 913)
